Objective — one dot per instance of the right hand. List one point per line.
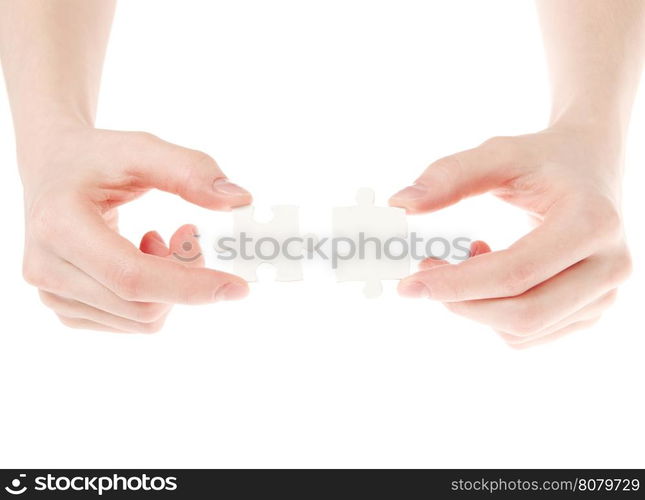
(88, 274)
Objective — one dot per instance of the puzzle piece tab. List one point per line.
(369, 224)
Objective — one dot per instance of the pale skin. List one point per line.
(75, 177)
(566, 272)
(555, 280)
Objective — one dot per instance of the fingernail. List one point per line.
(410, 193)
(232, 291)
(157, 237)
(414, 290)
(227, 188)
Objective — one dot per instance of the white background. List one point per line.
(304, 102)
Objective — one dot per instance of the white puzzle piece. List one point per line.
(284, 225)
(381, 223)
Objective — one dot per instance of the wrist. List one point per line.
(595, 149)
(40, 139)
(602, 134)
(595, 118)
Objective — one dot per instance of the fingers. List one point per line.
(572, 300)
(76, 296)
(574, 327)
(479, 248)
(64, 280)
(153, 244)
(185, 246)
(546, 304)
(536, 288)
(458, 176)
(75, 310)
(191, 174)
(476, 248)
(84, 324)
(561, 241)
(590, 312)
(136, 276)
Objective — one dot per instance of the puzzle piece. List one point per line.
(375, 223)
(268, 239)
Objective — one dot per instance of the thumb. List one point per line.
(191, 174)
(450, 179)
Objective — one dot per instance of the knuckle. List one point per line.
(68, 322)
(32, 273)
(496, 142)
(143, 137)
(37, 273)
(621, 267)
(125, 280)
(505, 147)
(507, 337)
(147, 312)
(513, 341)
(48, 300)
(609, 299)
(525, 320)
(451, 290)
(154, 327)
(444, 171)
(198, 158)
(192, 175)
(519, 278)
(599, 217)
(43, 221)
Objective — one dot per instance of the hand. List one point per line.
(89, 275)
(562, 275)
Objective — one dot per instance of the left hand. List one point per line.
(561, 276)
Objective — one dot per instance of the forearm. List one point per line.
(595, 51)
(52, 54)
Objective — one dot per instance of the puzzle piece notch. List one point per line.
(381, 223)
(285, 224)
